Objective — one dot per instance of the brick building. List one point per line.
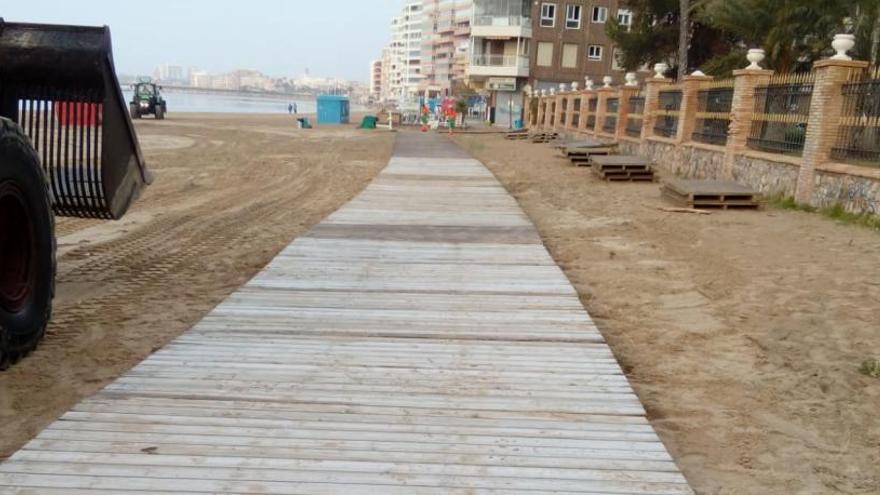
(569, 41)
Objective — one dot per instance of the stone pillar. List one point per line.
(652, 103)
(687, 116)
(626, 92)
(825, 111)
(601, 111)
(742, 108)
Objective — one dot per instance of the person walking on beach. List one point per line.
(294, 108)
(290, 108)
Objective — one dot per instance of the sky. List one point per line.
(332, 38)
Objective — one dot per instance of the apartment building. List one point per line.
(570, 41)
(405, 68)
(445, 43)
(376, 79)
(501, 38)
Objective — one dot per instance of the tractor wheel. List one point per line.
(134, 111)
(160, 112)
(27, 246)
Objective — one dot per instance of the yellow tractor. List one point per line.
(68, 148)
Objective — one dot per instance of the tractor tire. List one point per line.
(27, 246)
(160, 112)
(134, 111)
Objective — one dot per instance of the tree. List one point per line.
(684, 33)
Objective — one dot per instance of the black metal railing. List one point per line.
(782, 109)
(576, 113)
(635, 116)
(666, 121)
(858, 137)
(713, 113)
(611, 108)
(563, 111)
(552, 114)
(592, 106)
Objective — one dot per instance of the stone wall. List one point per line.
(854, 193)
(769, 177)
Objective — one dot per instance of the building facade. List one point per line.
(501, 38)
(570, 42)
(405, 68)
(376, 80)
(445, 43)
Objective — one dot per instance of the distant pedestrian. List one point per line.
(295, 109)
(290, 108)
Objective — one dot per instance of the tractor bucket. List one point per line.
(59, 84)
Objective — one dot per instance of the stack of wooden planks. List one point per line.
(623, 168)
(581, 156)
(705, 193)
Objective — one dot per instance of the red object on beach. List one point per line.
(78, 113)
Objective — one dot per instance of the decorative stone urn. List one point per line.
(660, 70)
(755, 56)
(843, 43)
(589, 84)
(574, 86)
(631, 79)
(698, 73)
(543, 92)
(552, 91)
(607, 81)
(562, 87)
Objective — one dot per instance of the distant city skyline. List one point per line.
(334, 39)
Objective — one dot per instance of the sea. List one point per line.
(190, 102)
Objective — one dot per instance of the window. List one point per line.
(573, 17)
(600, 14)
(615, 60)
(545, 54)
(625, 17)
(595, 52)
(569, 55)
(548, 14)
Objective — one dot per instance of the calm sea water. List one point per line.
(222, 103)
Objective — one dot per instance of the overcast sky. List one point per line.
(335, 38)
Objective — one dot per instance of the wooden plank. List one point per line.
(420, 340)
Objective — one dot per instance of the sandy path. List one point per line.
(230, 192)
(741, 331)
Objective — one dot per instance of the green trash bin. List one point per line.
(369, 122)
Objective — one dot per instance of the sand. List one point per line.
(230, 192)
(741, 331)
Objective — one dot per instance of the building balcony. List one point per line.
(501, 27)
(498, 66)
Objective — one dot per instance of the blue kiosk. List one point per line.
(333, 109)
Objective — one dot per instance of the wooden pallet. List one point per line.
(582, 157)
(715, 194)
(545, 137)
(521, 135)
(627, 176)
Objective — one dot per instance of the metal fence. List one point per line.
(635, 116)
(576, 113)
(592, 106)
(714, 100)
(858, 136)
(611, 107)
(782, 109)
(668, 111)
(563, 111)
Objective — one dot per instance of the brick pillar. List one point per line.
(687, 117)
(626, 92)
(742, 108)
(825, 111)
(652, 103)
(604, 94)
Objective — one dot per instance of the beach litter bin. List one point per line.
(369, 122)
(333, 109)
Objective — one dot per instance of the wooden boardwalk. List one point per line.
(419, 341)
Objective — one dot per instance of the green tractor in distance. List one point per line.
(147, 100)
